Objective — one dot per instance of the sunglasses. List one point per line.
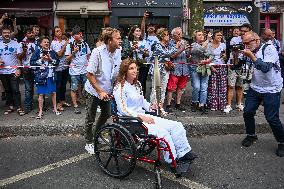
(247, 43)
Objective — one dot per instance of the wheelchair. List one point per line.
(120, 144)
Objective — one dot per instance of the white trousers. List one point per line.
(173, 132)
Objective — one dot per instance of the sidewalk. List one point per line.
(215, 123)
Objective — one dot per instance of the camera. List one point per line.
(44, 53)
(238, 47)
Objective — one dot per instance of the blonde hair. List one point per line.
(194, 34)
(161, 33)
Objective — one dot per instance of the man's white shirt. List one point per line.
(105, 67)
(8, 54)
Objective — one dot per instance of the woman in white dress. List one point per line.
(131, 102)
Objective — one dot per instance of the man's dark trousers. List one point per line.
(271, 103)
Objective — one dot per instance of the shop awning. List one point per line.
(225, 19)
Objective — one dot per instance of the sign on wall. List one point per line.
(225, 19)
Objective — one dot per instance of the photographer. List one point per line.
(266, 85)
(44, 76)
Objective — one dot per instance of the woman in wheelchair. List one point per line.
(131, 102)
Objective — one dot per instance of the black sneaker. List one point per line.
(249, 140)
(280, 150)
(180, 108)
(169, 109)
(194, 107)
(203, 110)
(189, 156)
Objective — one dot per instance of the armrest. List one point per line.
(129, 118)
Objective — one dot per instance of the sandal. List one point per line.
(163, 112)
(8, 111)
(60, 107)
(65, 104)
(20, 111)
(57, 113)
(39, 116)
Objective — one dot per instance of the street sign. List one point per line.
(265, 6)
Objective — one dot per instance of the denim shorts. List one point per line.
(76, 79)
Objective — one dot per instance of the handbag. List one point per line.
(40, 76)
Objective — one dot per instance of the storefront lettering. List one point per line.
(226, 9)
(148, 3)
(225, 19)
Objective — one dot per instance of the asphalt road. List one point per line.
(222, 163)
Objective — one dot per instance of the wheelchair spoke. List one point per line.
(117, 165)
(123, 149)
(105, 141)
(104, 150)
(108, 161)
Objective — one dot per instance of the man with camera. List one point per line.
(235, 80)
(266, 85)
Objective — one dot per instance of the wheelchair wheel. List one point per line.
(116, 155)
(158, 178)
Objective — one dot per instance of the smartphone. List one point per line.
(150, 13)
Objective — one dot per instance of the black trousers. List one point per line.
(11, 86)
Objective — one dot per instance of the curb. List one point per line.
(193, 130)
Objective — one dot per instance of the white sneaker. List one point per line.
(90, 148)
(99, 109)
(240, 107)
(228, 109)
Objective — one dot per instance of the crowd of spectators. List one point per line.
(207, 61)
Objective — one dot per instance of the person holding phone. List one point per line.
(137, 48)
(217, 87)
(44, 75)
(10, 51)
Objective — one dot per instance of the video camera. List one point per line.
(238, 47)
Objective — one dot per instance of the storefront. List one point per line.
(271, 16)
(225, 15)
(91, 16)
(28, 13)
(166, 13)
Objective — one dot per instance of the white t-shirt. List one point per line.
(105, 66)
(57, 46)
(79, 62)
(150, 40)
(217, 52)
(236, 40)
(31, 47)
(8, 54)
(142, 45)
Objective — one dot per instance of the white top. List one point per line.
(217, 52)
(57, 46)
(105, 66)
(8, 54)
(236, 40)
(79, 61)
(270, 82)
(31, 47)
(150, 40)
(142, 45)
(130, 100)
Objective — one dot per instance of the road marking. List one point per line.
(44, 169)
(166, 174)
(170, 176)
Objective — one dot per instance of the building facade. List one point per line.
(223, 15)
(166, 13)
(91, 16)
(272, 16)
